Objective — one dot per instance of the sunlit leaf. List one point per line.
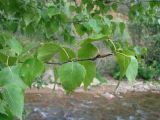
(47, 51)
(66, 54)
(87, 51)
(123, 61)
(15, 46)
(31, 69)
(93, 38)
(14, 97)
(53, 11)
(94, 25)
(10, 75)
(71, 75)
(132, 69)
(12, 90)
(90, 72)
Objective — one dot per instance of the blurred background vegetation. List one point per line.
(143, 32)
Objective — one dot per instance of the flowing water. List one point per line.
(83, 106)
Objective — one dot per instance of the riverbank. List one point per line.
(107, 90)
(110, 86)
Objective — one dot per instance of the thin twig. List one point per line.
(117, 86)
(84, 59)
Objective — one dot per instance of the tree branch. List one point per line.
(84, 59)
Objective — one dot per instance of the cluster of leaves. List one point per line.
(148, 72)
(146, 12)
(145, 26)
(81, 24)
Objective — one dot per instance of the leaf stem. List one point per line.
(115, 49)
(117, 86)
(123, 54)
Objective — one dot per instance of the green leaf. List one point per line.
(30, 29)
(2, 107)
(90, 72)
(11, 26)
(80, 29)
(53, 11)
(51, 27)
(13, 95)
(107, 21)
(10, 75)
(12, 90)
(31, 69)
(132, 69)
(47, 51)
(7, 117)
(87, 50)
(122, 27)
(123, 61)
(128, 65)
(29, 46)
(93, 38)
(15, 46)
(94, 25)
(66, 54)
(29, 50)
(28, 18)
(71, 75)
(7, 59)
(68, 38)
(110, 17)
(114, 6)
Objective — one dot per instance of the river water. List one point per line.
(83, 106)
